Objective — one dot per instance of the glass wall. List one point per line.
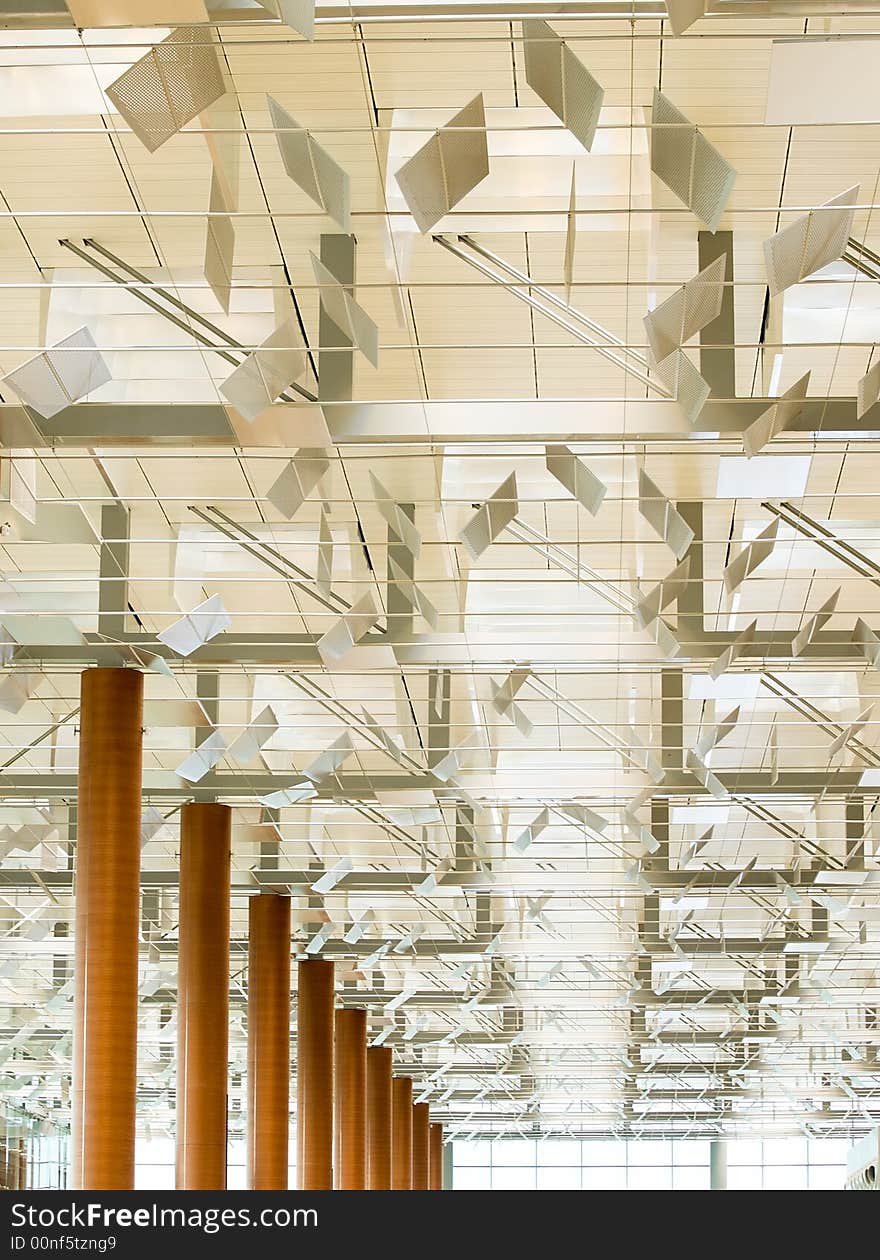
(596, 1164)
(34, 1151)
(568, 1164)
(787, 1164)
(154, 1164)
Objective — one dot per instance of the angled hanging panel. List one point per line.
(868, 392)
(311, 167)
(810, 243)
(265, 373)
(689, 389)
(449, 166)
(563, 83)
(167, 87)
(219, 246)
(683, 13)
(61, 375)
(299, 478)
(347, 314)
(491, 518)
(688, 310)
(778, 417)
(689, 166)
(299, 15)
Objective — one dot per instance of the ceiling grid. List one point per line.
(542, 674)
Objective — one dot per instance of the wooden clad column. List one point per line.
(108, 852)
(350, 1100)
(268, 1013)
(401, 1133)
(314, 1075)
(421, 1125)
(435, 1157)
(203, 996)
(378, 1118)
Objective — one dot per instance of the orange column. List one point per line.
(379, 1118)
(314, 1075)
(203, 996)
(435, 1157)
(350, 1100)
(268, 1008)
(108, 852)
(420, 1126)
(401, 1133)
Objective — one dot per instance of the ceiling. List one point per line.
(586, 876)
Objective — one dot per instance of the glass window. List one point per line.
(513, 1151)
(154, 1177)
(827, 1176)
(785, 1151)
(744, 1177)
(602, 1153)
(473, 1152)
(559, 1178)
(687, 1178)
(154, 1150)
(689, 1151)
(650, 1153)
(604, 1178)
(744, 1152)
(785, 1177)
(552, 1152)
(649, 1178)
(829, 1151)
(513, 1178)
(465, 1178)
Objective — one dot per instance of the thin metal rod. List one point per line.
(311, 590)
(828, 541)
(593, 581)
(160, 310)
(557, 301)
(554, 317)
(815, 715)
(50, 730)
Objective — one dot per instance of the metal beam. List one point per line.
(248, 883)
(718, 338)
(113, 570)
(806, 783)
(336, 356)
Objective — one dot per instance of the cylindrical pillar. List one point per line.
(314, 1075)
(22, 1165)
(379, 1118)
(435, 1157)
(268, 1009)
(108, 852)
(350, 1100)
(401, 1133)
(718, 1165)
(203, 996)
(421, 1125)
